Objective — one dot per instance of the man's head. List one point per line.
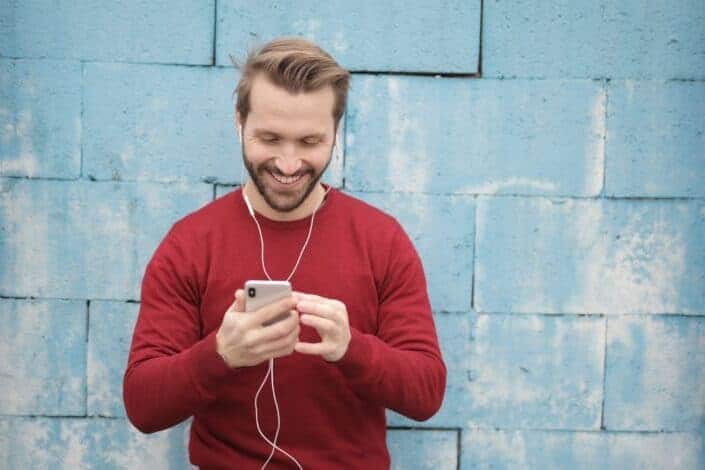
(291, 96)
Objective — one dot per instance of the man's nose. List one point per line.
(288, 162)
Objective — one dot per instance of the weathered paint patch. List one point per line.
(366, 35)
(417, 449)
(85, 239)
(160, 123)
(536, 371)
(110, 333)
(580, 450)
(453, 135)
(43, 351)
(655, 373)
(156, 31)
(656, 143)
(581, 256)
(608, 38)
(89, 443)
(40, 118)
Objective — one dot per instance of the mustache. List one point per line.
(272, 168)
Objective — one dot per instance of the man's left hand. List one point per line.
(330, 319)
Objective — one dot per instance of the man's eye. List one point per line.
(311, 141)
(270, 140)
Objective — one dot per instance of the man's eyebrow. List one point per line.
(264, 132)
(312, 135)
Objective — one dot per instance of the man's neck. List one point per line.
(304, 210)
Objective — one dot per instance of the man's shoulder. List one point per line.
(370, 222)
(365, 213)
(207, 217)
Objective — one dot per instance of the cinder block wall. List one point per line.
(546, 157)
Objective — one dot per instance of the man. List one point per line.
(358, 336)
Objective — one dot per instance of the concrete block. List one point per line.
(40, 118)
(162, 31)
(655, 373)
(445, 253)
(87, 240)
(536, 372)
(589, 256)
(432, 450)
(580, 450)
(110, 334)
(43, 351)
(90, 443)
(160, 123)
(366, 35)
(455, 135)
(608, 38)
(656, 139)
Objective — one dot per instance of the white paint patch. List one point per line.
(73, 438)
(629, 86)
(101, 397)
(595, 152)
(506, 185)
(340, 44)
(408, 166)
(488, 447)
(673, 372)
(25, 163)
(639, 273)
(27, 242)
(309, 27)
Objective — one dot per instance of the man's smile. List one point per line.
(286, 179)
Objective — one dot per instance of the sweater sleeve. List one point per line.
(400, 367)
(172, 371)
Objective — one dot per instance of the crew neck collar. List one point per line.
(329, 201)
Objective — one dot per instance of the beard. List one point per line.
(282, 201)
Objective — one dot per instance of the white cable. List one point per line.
(270, 370)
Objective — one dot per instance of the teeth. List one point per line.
(286, 179)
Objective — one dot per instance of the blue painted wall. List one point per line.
(546, 157)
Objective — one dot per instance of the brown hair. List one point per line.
(297, 65)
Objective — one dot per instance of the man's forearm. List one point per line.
(160, 391)
(410, 380)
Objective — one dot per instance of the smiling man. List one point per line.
(357, 335)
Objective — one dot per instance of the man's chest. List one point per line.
(337, 271)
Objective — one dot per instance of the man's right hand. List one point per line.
(242, 340)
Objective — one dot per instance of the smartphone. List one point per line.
(261, 293)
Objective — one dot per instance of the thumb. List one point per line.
(238, 304)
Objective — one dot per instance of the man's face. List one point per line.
(287, 142)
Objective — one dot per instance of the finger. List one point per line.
(272, 311)
(275, 331)
(317, 308)
(311, 297)
(337, 304)
(322, 325)
(234, 307)
(240, 300)
(281, 344)
(316, 349)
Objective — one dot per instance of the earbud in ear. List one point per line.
(239, 132)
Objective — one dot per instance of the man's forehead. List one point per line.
(265, 96)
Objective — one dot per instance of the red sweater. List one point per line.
(332, 414)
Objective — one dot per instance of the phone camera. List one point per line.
(251, 292)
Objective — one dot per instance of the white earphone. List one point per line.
(270, 371)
